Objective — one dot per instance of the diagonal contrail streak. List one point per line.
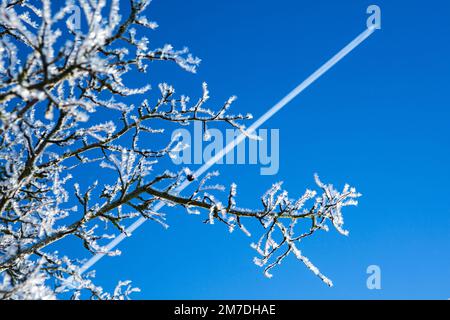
(230, 146)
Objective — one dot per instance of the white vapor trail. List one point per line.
(230, 146)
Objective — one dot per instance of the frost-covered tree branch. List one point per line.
(55, 77)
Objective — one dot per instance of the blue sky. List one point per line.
(378, 120)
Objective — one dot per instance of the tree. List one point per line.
(55, 75)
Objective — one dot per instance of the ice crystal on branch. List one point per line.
(59, 66)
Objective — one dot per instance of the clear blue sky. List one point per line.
(379, 121)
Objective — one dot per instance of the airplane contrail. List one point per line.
(230, 146)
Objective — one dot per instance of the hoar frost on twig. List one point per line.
(53, 78)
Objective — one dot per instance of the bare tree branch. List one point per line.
(54, 76)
